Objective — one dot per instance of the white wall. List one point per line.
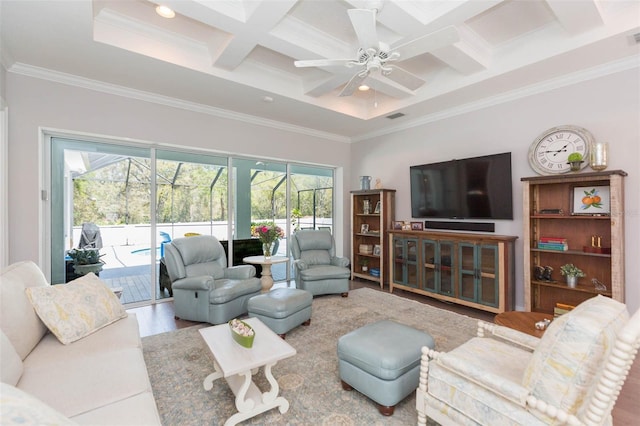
(4, 161)
(37, 104)
(608, 107)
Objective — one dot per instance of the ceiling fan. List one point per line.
(376, 56)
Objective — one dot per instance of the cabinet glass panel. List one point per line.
(446, 270)
(398, 259)
(489, 279)
(489, 259)
(405, 255)
(468, 272)
(412, 263)
(430, 253)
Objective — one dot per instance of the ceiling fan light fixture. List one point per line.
(363, 88)
(165, 12)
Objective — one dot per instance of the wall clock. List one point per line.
(548, 153)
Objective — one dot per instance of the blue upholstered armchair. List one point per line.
(204, 288)
(316, 267)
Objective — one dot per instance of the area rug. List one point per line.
(179, 361)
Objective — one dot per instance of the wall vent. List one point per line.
(396, 115)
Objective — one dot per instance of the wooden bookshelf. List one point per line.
(377, 219)
(548, 193)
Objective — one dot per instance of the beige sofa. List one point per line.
(100, 379)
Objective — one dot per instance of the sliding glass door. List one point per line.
(100, 198)
(191, 199)
(130, 201)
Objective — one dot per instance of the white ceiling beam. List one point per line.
(467, 56)
(577, 16)
(298, 40)
(263, 18)
(382, 84)
(321, 87)
(441, 15)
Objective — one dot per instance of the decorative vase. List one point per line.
(267, 250)
(575, 165)
(599, 156)
(85, 269)
(572, 281)
(365, 183)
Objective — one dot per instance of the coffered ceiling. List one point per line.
(236, 57)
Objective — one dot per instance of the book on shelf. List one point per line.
(553, 240)
(553, 246)
(561, 309)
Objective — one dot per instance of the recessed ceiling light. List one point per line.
(363, 88)
(267, 99)
(165, 12)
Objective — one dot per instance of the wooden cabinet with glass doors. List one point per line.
(372, 215)
(468, 269)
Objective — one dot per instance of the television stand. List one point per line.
(475, 270)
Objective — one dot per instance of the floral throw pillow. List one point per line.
(75, 310)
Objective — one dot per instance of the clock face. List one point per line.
(548, 153)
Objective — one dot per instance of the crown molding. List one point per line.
(520, 93)
(126, 92)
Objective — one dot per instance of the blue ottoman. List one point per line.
(382, 361)
(282, 309)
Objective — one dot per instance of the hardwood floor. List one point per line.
(160, 318)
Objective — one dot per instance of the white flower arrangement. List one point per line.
(241, 328)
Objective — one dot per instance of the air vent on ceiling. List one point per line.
(396, 115)
(636, 37)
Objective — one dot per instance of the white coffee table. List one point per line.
(266, 281)
(237, 364)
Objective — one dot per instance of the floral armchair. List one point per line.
(572, 375)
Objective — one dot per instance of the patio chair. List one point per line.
(572, 375)
(316, 267)
(204, 288)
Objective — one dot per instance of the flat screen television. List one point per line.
(470, 188)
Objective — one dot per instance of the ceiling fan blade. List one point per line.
(354, 83)
(427, 43)
(364, 23)
(322, 63)
(405, 78)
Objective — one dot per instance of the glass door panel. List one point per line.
(446, 275)
(488, 265)
(311, 197)
(310, 200)
(191, 199)
(430, 254)
(105, 188)
(413, 262)
(399, 257)
(467, 271)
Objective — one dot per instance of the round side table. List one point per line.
(267, 280)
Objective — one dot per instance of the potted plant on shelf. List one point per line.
(575, 159)
(86, 260)
(365, 265)
(572, 273)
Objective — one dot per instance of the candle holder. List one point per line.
(599, 155)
